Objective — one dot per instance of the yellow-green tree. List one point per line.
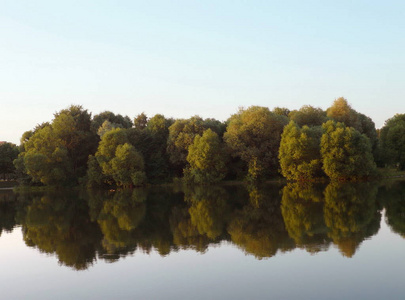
(392, 139)
(181, 136)
(8, 153)
(299, 154)
(346, 153)
(342, 112)
(57, 153)
(206, 159)
(308, 115)
(254, 135)
(128, 166)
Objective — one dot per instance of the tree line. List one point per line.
(255, 143)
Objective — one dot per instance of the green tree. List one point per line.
(107, 126)
(392, 139)
(45, 159)
(254, 135)
(181, 136)
(308, 115)
(57, 153)
(118, 120)
(206, 159)
(128, 166)
(8, 153)
(140, 121)
(346, 154)
(299, 154)
(342, 112)
(281, 111)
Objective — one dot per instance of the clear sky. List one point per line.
(182, 58)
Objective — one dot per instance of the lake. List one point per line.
(275, 241)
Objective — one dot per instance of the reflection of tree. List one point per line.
(204, 218)
(185, 234)
(59, 223)
(258, 227)
(7, 211)
(394, 202)
(209, 210)
(133, 219)
(119, 217)
(351, 214)
(302, 210)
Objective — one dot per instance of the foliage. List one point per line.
(181, 136)
(107, 126)
(206, 159)
(117, 160)
(282, 111)
(117, 120)
(342, 112)
(254, 134)
(393, 141)
(8, 153)
(141, 121)
(57, 153)
(308, 115)
(346, 154)
(128, 166)
(299, 152)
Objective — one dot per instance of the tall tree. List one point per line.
(342, 112)
(119, 120)
(206, 159)
(308, 115)
(8, 153)
(254, 135)
(346, 154)
(57, 153)
(181, 136)
(299, 154)
(392, 138)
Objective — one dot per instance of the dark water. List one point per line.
(340, 241)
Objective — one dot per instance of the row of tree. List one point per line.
(255, 143)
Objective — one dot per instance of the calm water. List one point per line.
(341, 241)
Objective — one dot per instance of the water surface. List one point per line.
(340, 241)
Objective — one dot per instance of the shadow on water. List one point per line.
(80, 228)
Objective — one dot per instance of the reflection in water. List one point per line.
(60, 224)
(393, 198)
(258, 226)
(81, 227)
(351, 214)
(302, 210)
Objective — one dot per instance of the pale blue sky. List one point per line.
(182, 58)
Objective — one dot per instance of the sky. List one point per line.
(207, 58)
